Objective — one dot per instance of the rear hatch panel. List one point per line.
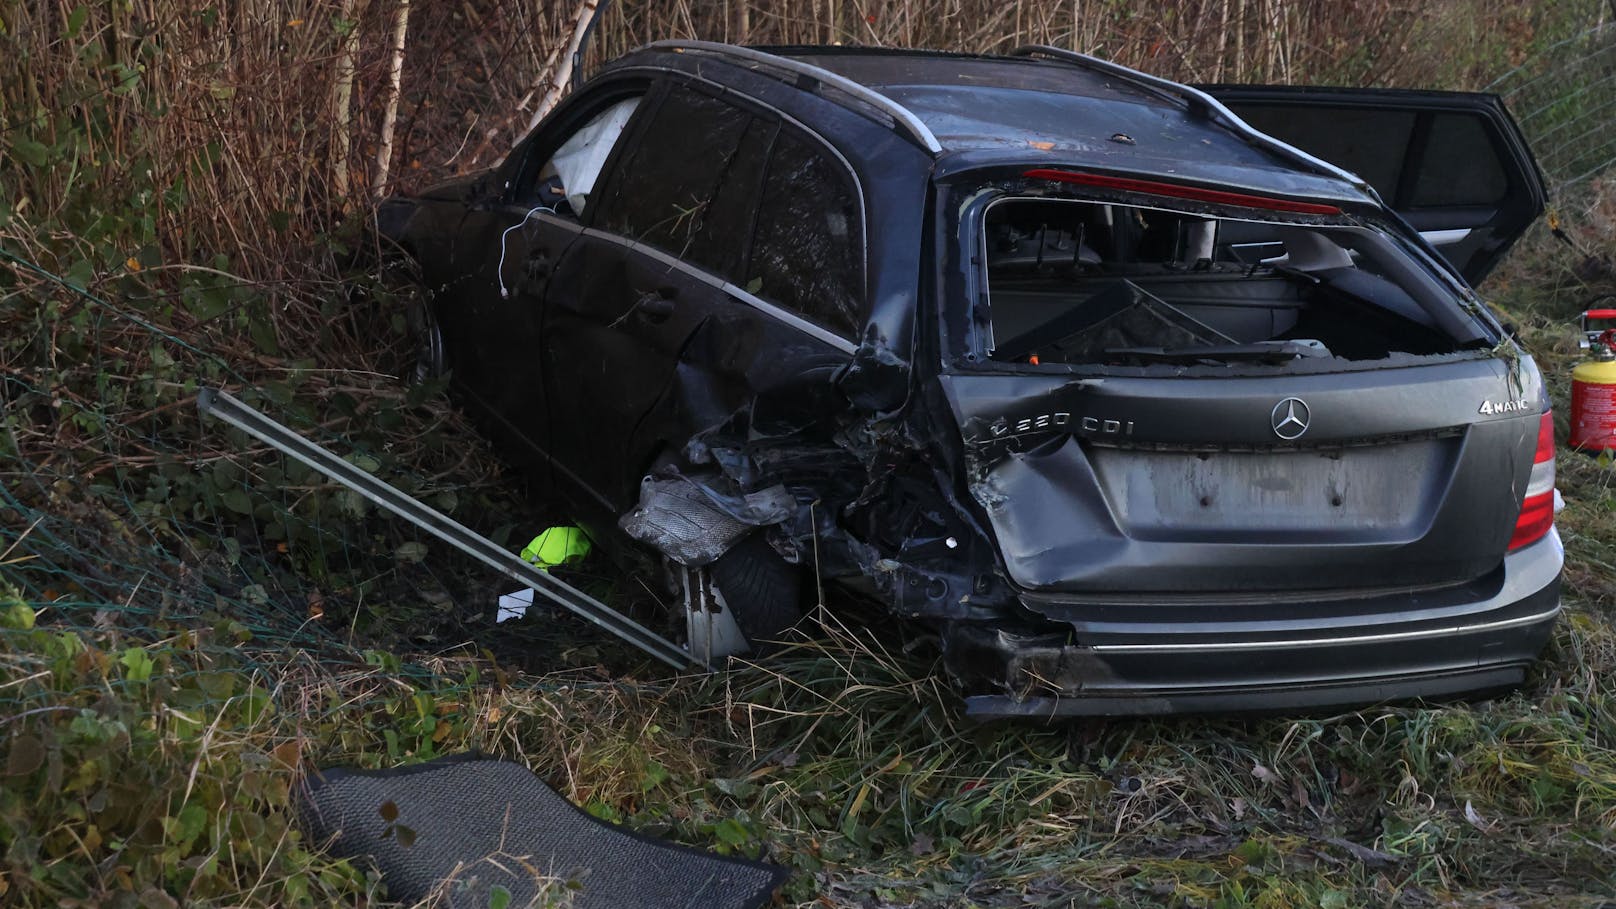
(1407, 476)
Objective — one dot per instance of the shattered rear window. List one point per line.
(1078, 282)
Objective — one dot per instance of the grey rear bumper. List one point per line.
(1184, 655)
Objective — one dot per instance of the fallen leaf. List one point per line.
(412, 551)
(1238, 807)
(1264, 775)
(922, 844)
(287, 753)
(1299, 793)
(27, 755)
(1041, 146)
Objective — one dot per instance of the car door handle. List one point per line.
(538, 265)
(657, 305)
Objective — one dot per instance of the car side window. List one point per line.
(662, 192)
(1457, 168)
(807, 248)
(566, 181)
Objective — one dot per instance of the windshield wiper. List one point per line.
(1258, 352)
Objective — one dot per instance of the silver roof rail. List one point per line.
(1199, 101)
(903, 118)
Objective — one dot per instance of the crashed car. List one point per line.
(1144, 397)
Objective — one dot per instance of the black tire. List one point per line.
(426, 338)
(425, 356)
(763, 589)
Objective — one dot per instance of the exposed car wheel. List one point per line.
(426, 338)
(763, 590)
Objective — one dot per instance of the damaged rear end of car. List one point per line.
(1236, 450)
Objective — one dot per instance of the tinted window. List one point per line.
(808, 240)
(1459, 166)
(1369, 143)
(664, 187)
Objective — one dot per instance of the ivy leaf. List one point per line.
(18, 615)
(31, 152)
(731, 832)
(137, 664)
(237, 501)
(498, 897)
(193, 819)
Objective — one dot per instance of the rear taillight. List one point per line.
(1537, 509)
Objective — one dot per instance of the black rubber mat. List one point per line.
(460, 826)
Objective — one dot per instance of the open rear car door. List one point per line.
(1453, 164)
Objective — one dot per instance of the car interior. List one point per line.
(1079, 282)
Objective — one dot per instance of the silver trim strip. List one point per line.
(903, 117)
(777, 312)
(1225, 646)
(790, 318)
(1445, 237)
(1196, 98)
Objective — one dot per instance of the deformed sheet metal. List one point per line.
(693, 524)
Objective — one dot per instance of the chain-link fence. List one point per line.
(1565, 101)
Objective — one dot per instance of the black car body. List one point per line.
(1143, 409)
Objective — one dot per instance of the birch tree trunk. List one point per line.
(395, 77)
(561, 73)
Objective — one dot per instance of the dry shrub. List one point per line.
(245, 130)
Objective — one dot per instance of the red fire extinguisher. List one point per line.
(1593, 386)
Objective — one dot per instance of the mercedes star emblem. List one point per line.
(1290, 418)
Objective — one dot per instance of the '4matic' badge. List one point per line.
(1491, 407)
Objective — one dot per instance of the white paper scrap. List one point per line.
(514, 605)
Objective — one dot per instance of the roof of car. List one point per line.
(987, 110)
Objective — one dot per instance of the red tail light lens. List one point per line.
(1537, 508)
(1178, 191)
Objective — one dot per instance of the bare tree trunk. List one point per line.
(1223, 42)
(395, 76)
(1240, 39)
(342, 104)
(561, 72)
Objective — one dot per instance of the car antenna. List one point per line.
(583, 44)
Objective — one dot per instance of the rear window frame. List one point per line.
(967, 220)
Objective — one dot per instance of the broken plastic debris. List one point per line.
(514, 605)
(694, 521)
